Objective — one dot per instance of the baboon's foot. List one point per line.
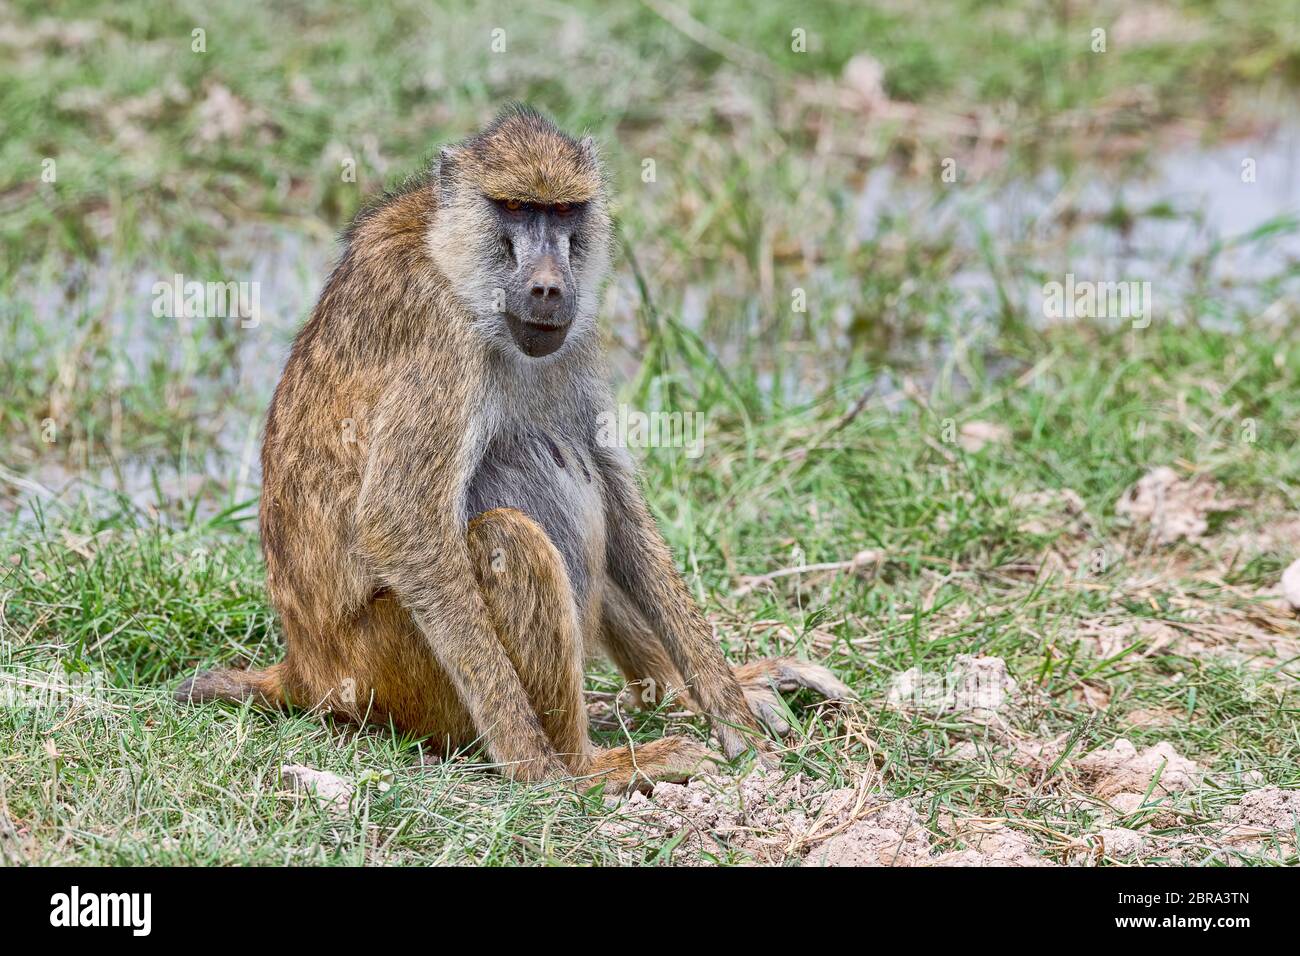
(639, 767)
(763, 680)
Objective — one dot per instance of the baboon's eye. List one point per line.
(513, 205)
(562, 209)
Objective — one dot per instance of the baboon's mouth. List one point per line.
(536, 339)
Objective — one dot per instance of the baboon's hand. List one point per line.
(742, 734)
(763, 680)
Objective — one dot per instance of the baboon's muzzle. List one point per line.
(536, 339)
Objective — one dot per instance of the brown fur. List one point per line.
(395, 607)
(519, 157)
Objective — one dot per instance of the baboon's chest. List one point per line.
(553, 480)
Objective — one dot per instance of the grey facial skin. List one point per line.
(540, 300)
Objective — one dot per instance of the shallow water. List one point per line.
(1184, 223)
(1187, 227)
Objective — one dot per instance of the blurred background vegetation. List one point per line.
(794, 146)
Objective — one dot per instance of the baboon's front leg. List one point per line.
(640, 563)
(629, 640)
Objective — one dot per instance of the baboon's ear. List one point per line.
(447, 161)
(447, 157)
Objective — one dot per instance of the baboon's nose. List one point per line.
(546, 287)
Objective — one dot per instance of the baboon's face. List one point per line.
(538, 293)
(523, 236)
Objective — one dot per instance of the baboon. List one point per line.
(446, 540)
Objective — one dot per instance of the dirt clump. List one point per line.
(1119, 843)
(766, 819)
(1124, 769)
(1047, 512)
(1291, 585)
(1270, 808)
(974, 688)
(754, 819)
(991, 844)
(329, 790)
(892, 834)
(1173, 508)
(973, 436)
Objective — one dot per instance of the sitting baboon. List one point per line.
(446, 539)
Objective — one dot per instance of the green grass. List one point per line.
(827, 429)
(141, 780)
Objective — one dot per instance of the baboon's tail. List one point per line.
(264, 688)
